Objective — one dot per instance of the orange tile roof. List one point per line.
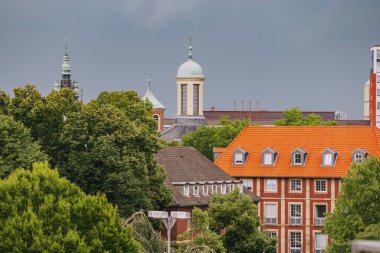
(313, 139)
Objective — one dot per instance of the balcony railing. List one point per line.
(295, 220)
(272, 221)
(319, 221)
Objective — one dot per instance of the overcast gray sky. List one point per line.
(285, 53)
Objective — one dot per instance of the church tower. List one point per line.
(66, 76)
(158, 108)
(190, 80)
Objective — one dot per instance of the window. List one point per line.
(328, 159)
(223, 189)
(359, 155)
(295, 242)
(268, 158)
(297, 159)
(196, 99)
(205, 190)
(378, 92)
(215, 189)
(358, 158)
(271, 185)
(186, 190)
(320, 211)
(320, 242)
(295, 214)
(230, 188)
(270, 214)
(248, 183)
(320, 185)
(238, 158)
(378, 105)
(295, 185)
(196, 189)
(272, 234)
(184, 99)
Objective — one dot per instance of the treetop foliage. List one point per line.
(17, 148)
(41, 212)
(356, 214)
(205, 138)
(294, 117)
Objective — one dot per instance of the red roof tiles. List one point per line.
(313, 139)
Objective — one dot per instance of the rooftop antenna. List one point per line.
(190, 39)
(234, 105)
(250, 114)
(257, 105)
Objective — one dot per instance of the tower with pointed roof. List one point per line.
(66, 81)
(189, 117)
(158, 107)
(190, 80)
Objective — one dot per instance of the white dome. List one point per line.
(190, 68)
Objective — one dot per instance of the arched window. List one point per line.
(156, 117)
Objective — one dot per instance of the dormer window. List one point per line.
(186, 190)
(329, 157)
(239, 156)
(268, 157)
(299, 157)
(359, 155)
(205, 190)
(196, 190)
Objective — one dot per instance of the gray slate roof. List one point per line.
(186, 164)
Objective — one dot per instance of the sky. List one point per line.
(313, 54)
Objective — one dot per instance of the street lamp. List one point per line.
(169, 220)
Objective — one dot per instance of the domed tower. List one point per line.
(66, 81)
(190, 80)
(158, 108)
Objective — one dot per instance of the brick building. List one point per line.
(193, 179)
(297, 172)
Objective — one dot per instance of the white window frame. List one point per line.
(196, 190)
(316, 185)
(295, 214)
(295, 241)
(270, 185)
(294, 189)
(320, 248)
(328, 159)
(205, 190)
(186, 190)
(295, 158)
(238, 158)
(268, 158)
(223, 188)
(357, 158)
(272, 233)
(214, 188)
(271, 215)
(248, 183)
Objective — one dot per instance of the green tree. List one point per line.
(205, 138)
(235, 216)
(5, 101)
(17, 148)
(25, 99)
(294, 117)
(129, 101)
(104, 151)
(48, 119)
(356, 214)
(200, 235)
(41, 212)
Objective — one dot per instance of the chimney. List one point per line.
(213, 108)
